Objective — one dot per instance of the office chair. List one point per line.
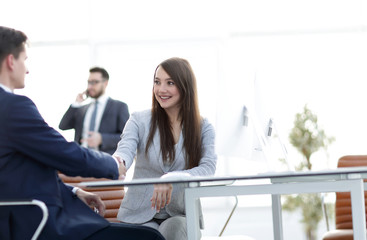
(34, 202)
(343, 210)
(111, 196)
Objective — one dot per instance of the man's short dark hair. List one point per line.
(103, 71)
(11, 42)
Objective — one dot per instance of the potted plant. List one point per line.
(307, 137)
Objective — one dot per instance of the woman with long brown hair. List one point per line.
(170, 139)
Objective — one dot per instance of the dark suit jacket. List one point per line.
(112, 123)
(31, 152)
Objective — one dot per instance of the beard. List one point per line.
(97, 94)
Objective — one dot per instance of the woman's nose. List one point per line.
(162, 88)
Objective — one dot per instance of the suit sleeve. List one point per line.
(128, 144)
(110, 140)
(31, 136)
(68, 121)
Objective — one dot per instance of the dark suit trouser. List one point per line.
(16, 228)
(118, 231)
(13, 228)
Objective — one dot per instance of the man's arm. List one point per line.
(68, 121)
(33, 137)
(92, 200)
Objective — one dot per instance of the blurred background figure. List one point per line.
(98, 123)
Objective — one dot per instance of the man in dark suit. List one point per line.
(31, 154)
(100, 129)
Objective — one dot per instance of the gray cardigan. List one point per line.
(136, 205)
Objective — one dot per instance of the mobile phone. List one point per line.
(87, 93)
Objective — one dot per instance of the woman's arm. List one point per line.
(126, 148)
(208, 161)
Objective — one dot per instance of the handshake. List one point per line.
(121, 166)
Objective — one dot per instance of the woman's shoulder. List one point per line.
(142, 115)
(205, 124)
(205, 121)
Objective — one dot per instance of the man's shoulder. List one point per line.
(116, 102)
(11, 97)
(14, 105)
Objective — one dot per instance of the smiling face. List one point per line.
(166, 91)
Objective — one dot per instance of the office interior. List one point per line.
(272, 57)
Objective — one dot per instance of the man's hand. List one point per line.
(80, 97)
(94, 139)
(122, 167)
(161, 196)
(92, 200)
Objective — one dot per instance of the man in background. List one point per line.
(99, 124)
(32, 153)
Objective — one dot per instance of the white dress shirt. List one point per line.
(6, 88)
(102, 102)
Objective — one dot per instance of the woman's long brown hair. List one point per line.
(181, 73)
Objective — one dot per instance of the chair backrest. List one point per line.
(111, 196)
(343, 210)
(30, 202)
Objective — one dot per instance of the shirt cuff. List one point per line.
(75, 189)
(76, 104)
(117, 162)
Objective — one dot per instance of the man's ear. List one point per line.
(105, 82)
(9, 61)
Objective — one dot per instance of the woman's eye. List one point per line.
(156, 82)
(171, 83)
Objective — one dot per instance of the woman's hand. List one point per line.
(122, 167)
(161, 196)
(92, 200)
